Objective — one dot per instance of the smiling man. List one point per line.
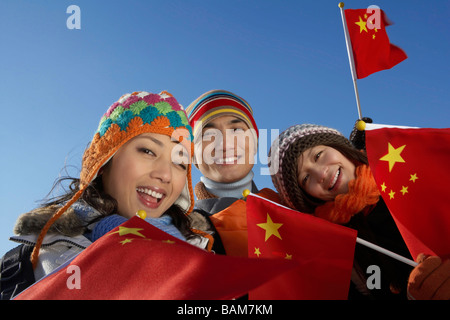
(226, 141)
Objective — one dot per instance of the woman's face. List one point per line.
(143, 175)
(324, 172)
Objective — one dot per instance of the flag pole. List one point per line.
(386, 252)
(350, 58)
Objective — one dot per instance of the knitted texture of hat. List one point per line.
(216, 103)
(132, 115)
(283, 161)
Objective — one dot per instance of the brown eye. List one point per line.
(317, 155)
(147, 151)
(305, 179)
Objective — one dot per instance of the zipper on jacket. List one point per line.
(31, 243)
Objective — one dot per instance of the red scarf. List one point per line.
(362, 194)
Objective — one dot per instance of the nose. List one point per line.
(162, 170)
(319, 173)
(225, 142)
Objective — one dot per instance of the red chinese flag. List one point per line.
(372, 51)
(138, 261)
(323, 250)
(410, 166)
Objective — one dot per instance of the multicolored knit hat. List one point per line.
(283, 161)
(217, 103)
(132, 115)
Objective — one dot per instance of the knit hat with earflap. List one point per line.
(283, 161)
(132, 115)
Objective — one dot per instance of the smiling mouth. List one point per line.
(150, 198)
(335, 179)
(228, 160)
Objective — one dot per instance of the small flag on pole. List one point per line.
(368, 46)
(372, 50)
(410, 166)
(323, 250)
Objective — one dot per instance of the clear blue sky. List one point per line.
(286, 58)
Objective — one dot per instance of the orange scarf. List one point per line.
(362, 193)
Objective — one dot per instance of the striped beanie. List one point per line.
(132, 115)
(217, 103)
(283, 161)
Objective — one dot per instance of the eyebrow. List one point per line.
(234, 121)
(158, 142)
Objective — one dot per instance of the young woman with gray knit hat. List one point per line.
(138, 162)
(317, 170)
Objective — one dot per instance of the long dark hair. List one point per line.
(95, 196)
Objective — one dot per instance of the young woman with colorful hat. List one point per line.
(138, 159)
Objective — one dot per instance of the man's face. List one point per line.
(225, 152)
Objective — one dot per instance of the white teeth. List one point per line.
(152, 193)
(335, 178)
(226, 160)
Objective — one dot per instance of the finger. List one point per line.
(421, 257)
(423, 270)
(443, 293)
(433, 283)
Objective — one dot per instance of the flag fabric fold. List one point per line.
(138, 261)
(323, 250)
(410, 166)
(372, 50)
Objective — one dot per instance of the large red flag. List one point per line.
(372, 50)
(138, 261)
(323, 250)
(410, 166)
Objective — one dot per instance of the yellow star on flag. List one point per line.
(288, 256)
(271, 228)
(393, 156)
(124, 231)
(127, 240)
(391, 194)
(414, 177)
(362, 25)
(257, 252)
(383, 187)
(404, 190)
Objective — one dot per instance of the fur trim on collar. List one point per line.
(69, 224)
